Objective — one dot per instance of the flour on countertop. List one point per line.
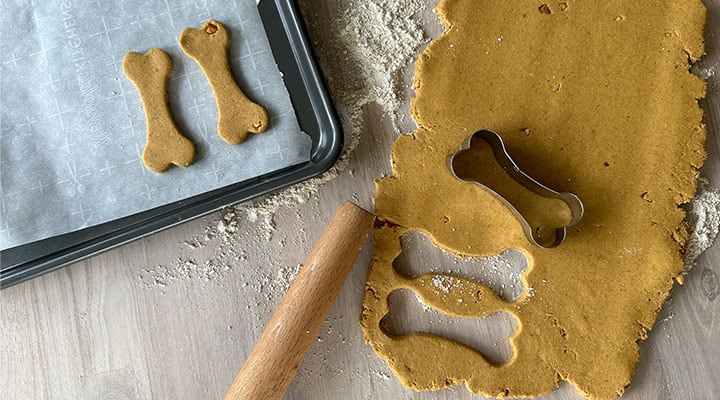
(377, 40)
(704, 217)
(704, 72)
(364, 65)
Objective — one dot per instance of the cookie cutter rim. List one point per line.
(501, 155)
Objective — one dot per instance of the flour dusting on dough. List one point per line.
(443, 283)
(578, 78)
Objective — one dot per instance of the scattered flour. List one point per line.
(376, 40)
(382, 375)
(704, 215)
(706, 73)
(286, 276)
(501, 273)
(364, 64)
(181, 270)
(443, 283)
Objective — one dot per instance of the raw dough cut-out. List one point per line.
(238, 116)
(592, 98)
(165, 144)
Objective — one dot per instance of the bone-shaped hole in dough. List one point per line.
(489, 336)
(544, 214)
(499, 273)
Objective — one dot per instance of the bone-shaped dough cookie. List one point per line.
(238, 115)
(165, 144)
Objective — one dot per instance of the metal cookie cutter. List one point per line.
(508, 165)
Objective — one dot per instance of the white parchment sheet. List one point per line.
(72, 127)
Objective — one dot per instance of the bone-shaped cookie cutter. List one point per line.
(508, 165)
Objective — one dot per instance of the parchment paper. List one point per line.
(72, 127)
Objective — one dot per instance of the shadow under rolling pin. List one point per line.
(278, 353)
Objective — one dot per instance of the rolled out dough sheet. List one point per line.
(593, 98)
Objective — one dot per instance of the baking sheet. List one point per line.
(72, 127)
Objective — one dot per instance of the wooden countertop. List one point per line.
(174, 315)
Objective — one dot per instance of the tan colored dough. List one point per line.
(165, 144)
(592, 98)
(237, 115)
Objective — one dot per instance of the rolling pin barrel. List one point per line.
(277, 355)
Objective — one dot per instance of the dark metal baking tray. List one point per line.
(316, 115)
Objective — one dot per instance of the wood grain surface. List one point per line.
(100, 330)
(295, 324)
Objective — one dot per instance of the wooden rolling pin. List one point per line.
(272, 364)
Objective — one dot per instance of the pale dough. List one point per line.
(593, 98)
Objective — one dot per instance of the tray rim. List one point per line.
(33, 259)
